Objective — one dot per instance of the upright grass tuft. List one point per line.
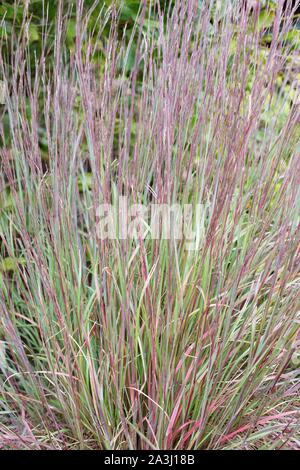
(141, 343)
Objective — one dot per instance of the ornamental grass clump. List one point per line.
(142, 342)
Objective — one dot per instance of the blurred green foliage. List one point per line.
(42, 16)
